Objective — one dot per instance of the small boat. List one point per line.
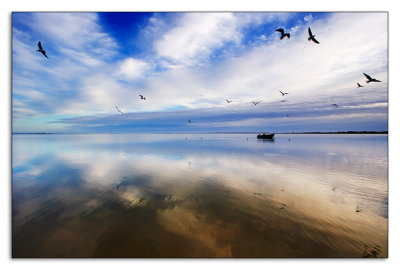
(266, 136)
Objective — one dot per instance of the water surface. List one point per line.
(203, 195)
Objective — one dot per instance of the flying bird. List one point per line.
(311, 36)
(283, 34)
(283, 93)
(359, 85)
(118, 110)
(142, 97)
(370, 79)
(41, 49)
(229, 101)
(283, 100)
(255, 103)
(335, 105)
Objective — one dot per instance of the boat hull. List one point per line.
(265, 136)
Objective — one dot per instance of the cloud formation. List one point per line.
(193, 63)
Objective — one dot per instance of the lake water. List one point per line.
(202, 195)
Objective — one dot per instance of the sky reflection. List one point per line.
(202, 195)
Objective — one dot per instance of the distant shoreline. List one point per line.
(253, 132)
(337, 132)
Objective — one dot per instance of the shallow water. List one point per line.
(202, 195)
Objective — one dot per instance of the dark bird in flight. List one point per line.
(311, 36)
(335, 105)
(229, 101)
(359, 85)
(41, 49)
(118, 110)
(283, 100)
(142, 97)
(370, 79)
(255, 103)
(283, 93)
(283, 34)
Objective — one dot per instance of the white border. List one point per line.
(204, 5)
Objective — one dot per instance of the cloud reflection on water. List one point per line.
(223, 196)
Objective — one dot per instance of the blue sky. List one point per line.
(188, 64)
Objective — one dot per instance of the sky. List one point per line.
(188, 64)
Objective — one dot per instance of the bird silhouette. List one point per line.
(118, 110)
(255, 103)
(335, 105)
(229, 101)
(311, 36)
(370, 79)
(283, 100)
(283, 34)
(359, 85)
(41, 49)
(283, 93)
(142, 97)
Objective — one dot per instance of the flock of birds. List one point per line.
(284, 34)
(311, 37)
(369, 79)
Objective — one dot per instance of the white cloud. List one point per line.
(308, 18)
(29, 93)
(78, 31)
(263, 37)
(78, 50)
(308, 70)
(98, 94)
(21, 111)
(368, 106)
(132, 68)
(196, 35)
(24, 54)
(82, 57)
(74, 43)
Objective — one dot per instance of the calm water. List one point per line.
(205, 195)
